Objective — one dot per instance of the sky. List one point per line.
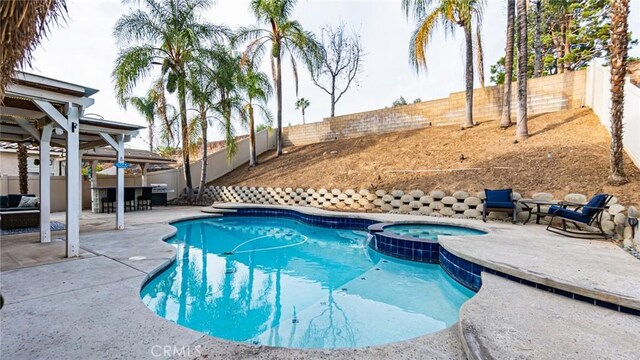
(83, 51)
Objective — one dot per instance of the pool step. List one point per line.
(212, 210)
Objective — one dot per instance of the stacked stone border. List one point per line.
(436, 203)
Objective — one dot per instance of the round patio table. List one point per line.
(529, 207)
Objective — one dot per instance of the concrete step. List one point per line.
(213, 210)
(507, 320)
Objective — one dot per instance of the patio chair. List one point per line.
(108, 202)
(499, 201)
(144, 200)
(588, 214)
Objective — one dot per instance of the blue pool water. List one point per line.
(279, 282)
(431, 231)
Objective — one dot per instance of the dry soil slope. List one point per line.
(568, 151)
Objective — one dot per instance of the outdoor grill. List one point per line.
(159, 194)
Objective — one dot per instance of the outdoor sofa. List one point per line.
(14, 216)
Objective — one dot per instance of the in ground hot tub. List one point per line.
(415, 241)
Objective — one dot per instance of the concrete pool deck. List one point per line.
(90, 307)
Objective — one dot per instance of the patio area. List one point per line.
(97, 294)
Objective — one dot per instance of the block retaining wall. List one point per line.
(437, 203)
(545, 94)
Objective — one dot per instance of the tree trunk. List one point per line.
(279, 104)
(253, 158)
(619, 44)
(203, 173)
(469, 76)
(537, 43)
(566, 42)
(522, 131)
(505, 120)
(333, 96)
(304, 121)
(22, 169)
(150, 135)
(186, 165)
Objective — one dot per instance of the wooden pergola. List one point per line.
(47, 111)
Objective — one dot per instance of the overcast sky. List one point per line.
(83, 51)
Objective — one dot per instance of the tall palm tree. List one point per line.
(22, 169)
(163, 109)
(164, 33)
(505, 120)
(537, 41)
(23, 25)
(446, 13)
(619, 45)
(281, 36)
(522, 130)
(302, 104)
(146, 106)
(201, 92)
(257, 92)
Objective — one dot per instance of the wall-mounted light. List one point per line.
(58, 131)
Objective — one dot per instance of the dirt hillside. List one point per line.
(568, 151)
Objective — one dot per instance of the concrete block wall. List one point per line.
(545, 94)
(436, 203)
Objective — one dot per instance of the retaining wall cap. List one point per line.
(616, 208)
(542, 196)
(437, 194)
(416, 193)
(381, 193)
(397, 193)
(460, 195)
(336, 191)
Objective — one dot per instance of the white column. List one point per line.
(94, 176)
(120, 185)
(45, 184)
(73, 182)
(144, 173)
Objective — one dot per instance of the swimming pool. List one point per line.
(430, 231)
(281, 282)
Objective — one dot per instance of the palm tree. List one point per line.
(522, 131)
(23, 25)
(537, 41)
(505, 120)
(166, 34)
(619, 45)
(146, 106)
(201, 92)
(257, 91)
(284, 36)
(446, 13)
(22, 169)
(163, 109)
(302, 104)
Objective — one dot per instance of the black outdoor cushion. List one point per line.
(14, 199)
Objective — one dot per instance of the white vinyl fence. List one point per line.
(598, 97)
(217, 164)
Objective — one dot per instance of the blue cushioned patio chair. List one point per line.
(589, 214)
(500, 201)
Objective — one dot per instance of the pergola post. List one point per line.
(120, 184)
(144, 173)
(45, 184)
(73, 181)
(94, 175)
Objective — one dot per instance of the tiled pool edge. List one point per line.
(469, 274)
(463, 271)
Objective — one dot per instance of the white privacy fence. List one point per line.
(598, 98)
(217, 164)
